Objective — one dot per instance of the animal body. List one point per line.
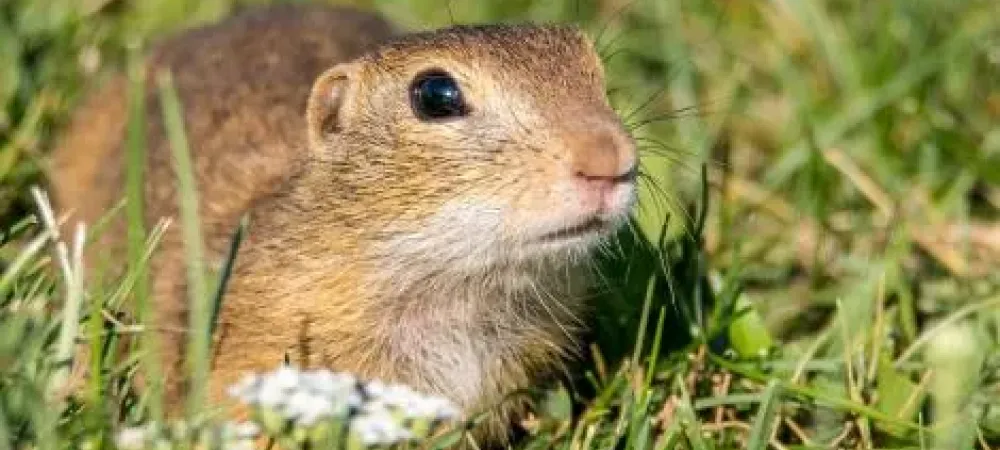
(423, 207)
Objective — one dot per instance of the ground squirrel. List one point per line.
(423, 207)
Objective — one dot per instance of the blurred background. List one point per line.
(850, 153)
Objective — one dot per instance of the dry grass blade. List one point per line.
(71, 264)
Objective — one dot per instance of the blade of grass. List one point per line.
(26, 256)
(97, 379)
(116, 297)
(809, 393)
(764, 423)
(200, 306)
(644, 321)
(227, 271)
(71, 269)
(690, 423)
(668, 439)
(135, 153)
(726, 400)
(654, 352)
(17, 228)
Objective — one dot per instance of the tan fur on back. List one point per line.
(386, 245)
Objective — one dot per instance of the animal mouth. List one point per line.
(592, 225)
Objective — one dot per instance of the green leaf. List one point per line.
(748, 335)
(557, 404)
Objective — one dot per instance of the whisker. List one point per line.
(659, 195)
(667, 116)
(614, 16)
(672, 203)
(642, 106)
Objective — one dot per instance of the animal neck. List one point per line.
(449, 324)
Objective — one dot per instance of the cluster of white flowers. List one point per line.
(303, 397)
(317, 404)
(375, 413)
(230, 436)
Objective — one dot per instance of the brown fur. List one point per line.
(379, 243)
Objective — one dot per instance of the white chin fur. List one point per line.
(464, 237)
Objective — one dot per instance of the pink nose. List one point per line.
(603, 161)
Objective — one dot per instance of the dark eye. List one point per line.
(435, 95)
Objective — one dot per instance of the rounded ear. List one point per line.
(329, 94)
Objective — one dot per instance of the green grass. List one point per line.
(831, 282)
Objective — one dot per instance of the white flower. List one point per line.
(379, 428)
(438, 408)
(329, 383)
(306, 408)
(285, 377)
(409, 402)
(269, 395)
(339, 389)
(133, 438)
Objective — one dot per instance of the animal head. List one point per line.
(477, 146)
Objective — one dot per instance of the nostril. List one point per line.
(592, 179)
(609, 177)
(629, 175)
